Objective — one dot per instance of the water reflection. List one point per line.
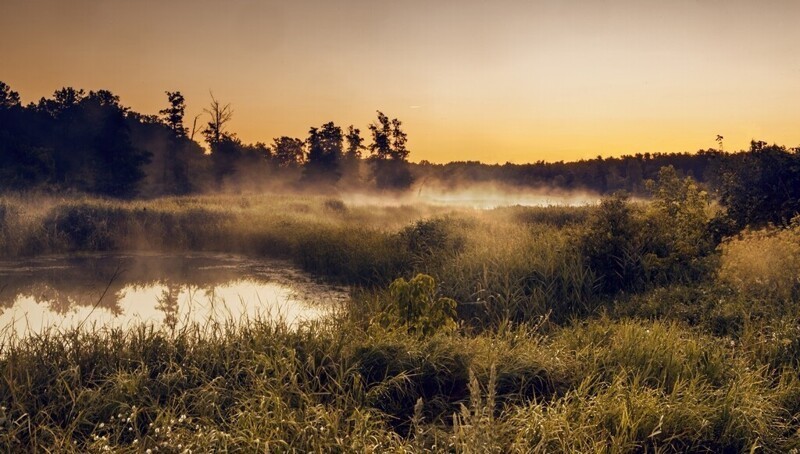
(117, 290)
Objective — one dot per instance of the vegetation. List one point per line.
(666, 325)
(91, 143)
(621, 327)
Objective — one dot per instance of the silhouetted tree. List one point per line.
(25, 158)
(173, 115)
(63, 100)
(389, 153)
(355, 144)
(116, 165)
(381, 146)
(398, 151)
(352, 155)
(225, 148)
(761, 186)
(324, 154)
(175, 171)
(225, 155)
(220, 116)
(8, 97)
(287, 152)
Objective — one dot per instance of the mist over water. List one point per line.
(483, 196)
(96, 291)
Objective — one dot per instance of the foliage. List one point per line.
(761, 186)
(287, 151)
(613, 245)
(416, 307)
(8, 97)
(678, 229)
(389, 154)
(634, 248)
(173, 115)
(672, 366)
(325, 155)
(73, 140)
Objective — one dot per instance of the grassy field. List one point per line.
(623, 327)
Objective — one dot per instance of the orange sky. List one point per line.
(493, 81)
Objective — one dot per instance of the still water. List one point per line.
(165, 290)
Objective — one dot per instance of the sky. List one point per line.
(495, 81)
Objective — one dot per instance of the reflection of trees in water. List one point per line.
(63, 284)
(60, 300)
(168, 304)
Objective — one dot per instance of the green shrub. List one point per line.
(669, 241)
(415, 306)
(613, 245)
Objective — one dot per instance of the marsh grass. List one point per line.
(255, 384)
(540, 359)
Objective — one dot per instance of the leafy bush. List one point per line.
(677, 237)
(613, 245)
(633, 248)
(415, 306)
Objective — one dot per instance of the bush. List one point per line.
(667, 241)
(415, 306)
(613, 245)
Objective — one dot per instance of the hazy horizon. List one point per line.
(472, 81)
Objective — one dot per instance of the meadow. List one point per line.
(619, 327)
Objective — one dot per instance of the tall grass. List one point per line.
(765, 263)
(617, 386)
(552, 364)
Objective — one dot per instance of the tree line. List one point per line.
(90, 142)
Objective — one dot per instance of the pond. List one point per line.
(118, 290)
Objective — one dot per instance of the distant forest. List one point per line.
(89, 142)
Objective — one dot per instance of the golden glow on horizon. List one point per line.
(515, 81)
